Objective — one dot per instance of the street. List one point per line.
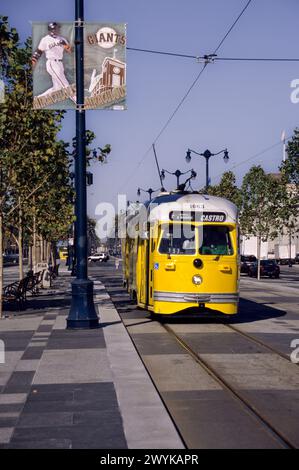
(226, 383)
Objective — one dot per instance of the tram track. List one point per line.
(248, 400)
(232, 390)
(258, 342)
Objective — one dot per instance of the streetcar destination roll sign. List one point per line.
(192, 216)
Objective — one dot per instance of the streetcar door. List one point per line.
(142, 287)
(151, 272)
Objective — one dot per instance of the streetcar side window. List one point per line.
(177, 241)
(215, 240)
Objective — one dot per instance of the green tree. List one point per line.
(289, 169)
(227, 188)
(261, 202)
(34, 175)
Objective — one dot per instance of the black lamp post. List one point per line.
(82, 313)
(178, 174)
(150, 191)
(207, 155)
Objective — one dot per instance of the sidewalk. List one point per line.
(76, 389)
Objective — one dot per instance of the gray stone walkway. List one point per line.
(76, 389)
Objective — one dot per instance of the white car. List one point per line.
(98, 257)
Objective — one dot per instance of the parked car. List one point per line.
(98, 257)
(10, 259)
(268, 267)
(287, 261)
(246, 261)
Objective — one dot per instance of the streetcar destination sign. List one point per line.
(192, 216)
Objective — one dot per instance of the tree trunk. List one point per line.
(48, 248)
(290, 247)
(1, 261)
(34, 243)
(20, 243)
(30, 258)
(258, 257)
(53, 257)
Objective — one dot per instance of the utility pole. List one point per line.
(82, 312)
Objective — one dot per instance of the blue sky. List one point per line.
(243, 106)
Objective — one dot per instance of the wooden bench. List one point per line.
(34, 280)
(53, 271)
(16, 292)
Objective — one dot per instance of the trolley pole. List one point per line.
(82, 313)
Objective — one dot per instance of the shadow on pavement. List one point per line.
(249, 311)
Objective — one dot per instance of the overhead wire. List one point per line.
(189, 90)
(206, 57)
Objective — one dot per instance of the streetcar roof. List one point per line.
(161, 206)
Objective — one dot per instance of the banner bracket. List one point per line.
(79, 23)
(80, 107)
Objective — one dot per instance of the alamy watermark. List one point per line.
(295, 92)
(2, 352)
(294, 356)
(134, 219)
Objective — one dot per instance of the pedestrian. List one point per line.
(54, 45)
(116, 263)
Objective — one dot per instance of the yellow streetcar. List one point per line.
(180, 252)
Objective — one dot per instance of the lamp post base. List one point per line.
(82, 313)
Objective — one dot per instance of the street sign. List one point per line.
(53, 61)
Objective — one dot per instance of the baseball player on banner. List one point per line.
(54, 45)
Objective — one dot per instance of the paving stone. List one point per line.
(19, 382)
(16, 340)
(73, 366)
(32, 353)
(85, 436)
(255, 371)
(178, 372)
(11, 398)
(62, 396)
(280, 408)
(221, 343)
(98, 418)
(50, 316)
(13, 407)
(156, 343)
(8, 421)
(5, 434)
(215, 420)
(32, 420)
(70, 339)
(44, 328)
(42, 444)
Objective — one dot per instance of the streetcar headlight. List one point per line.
(196, 280)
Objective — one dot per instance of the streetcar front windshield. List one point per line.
(178, 239)
(215, 240)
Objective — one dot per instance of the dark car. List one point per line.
(268, 267)
(8, 260)
(297, 258)
(246, 262)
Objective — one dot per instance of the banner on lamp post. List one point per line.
(53, 62)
